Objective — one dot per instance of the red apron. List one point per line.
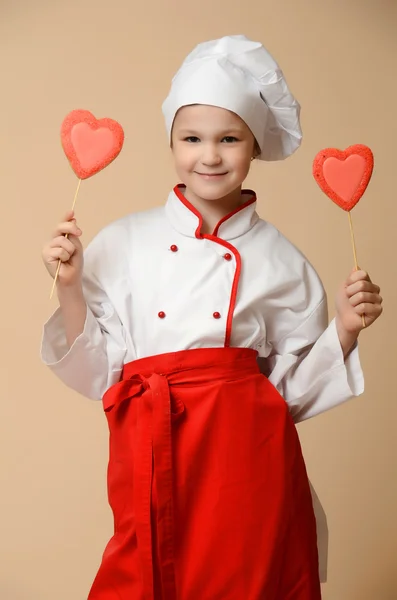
(207, 485)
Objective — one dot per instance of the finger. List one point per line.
(75, 241)
(365, 298)
(67, 227)
(359, 270)
(62, 242)
(367, 277)
(69, 216)
(58, 254)
(362, 286)
(356, 276)
(369, 310)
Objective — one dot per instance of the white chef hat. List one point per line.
(239, 75)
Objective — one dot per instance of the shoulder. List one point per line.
(285, 255)
(111, 246)
(126, 225)
(119, 232)
(294, 290)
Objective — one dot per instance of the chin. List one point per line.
(213, 191)
(211, 194)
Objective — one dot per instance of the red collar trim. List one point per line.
(178, 192)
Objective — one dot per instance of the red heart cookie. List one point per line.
(90, 144)
(344, 175)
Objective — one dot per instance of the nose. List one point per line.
(211, 155)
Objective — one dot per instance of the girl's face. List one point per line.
(213, 149)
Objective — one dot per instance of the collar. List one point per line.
(186, 219)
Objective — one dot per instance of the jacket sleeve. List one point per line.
(309, 370)
(303, 357)
(95, 360)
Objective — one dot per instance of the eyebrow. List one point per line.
(226, 132)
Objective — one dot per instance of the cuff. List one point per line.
(54, 347)
(354, 377)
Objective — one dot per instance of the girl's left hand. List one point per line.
(356, 297)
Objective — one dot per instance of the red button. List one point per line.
(161, 314)
(174, 248)
(227, 256)
(217, 315)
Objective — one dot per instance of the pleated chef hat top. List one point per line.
(239, 75)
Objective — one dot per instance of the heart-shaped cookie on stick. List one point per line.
(344, 175)
(90, 145)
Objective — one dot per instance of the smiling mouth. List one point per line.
(210, 175)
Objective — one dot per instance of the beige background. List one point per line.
(116, 59)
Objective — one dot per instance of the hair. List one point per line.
(257, 150)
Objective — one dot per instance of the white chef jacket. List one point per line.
(154, 284)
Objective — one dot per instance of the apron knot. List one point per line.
(125, 390)
(136, 386)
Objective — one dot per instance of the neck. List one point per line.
(212, 211)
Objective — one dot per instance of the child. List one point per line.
(165, 324)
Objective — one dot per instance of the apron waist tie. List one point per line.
(153, 463)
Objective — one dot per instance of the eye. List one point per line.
(229, 139)
(192, 139)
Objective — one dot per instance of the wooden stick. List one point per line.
(66, 236)
(355, 255)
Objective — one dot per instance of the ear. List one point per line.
(257, 150)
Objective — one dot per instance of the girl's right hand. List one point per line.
(68, 250)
